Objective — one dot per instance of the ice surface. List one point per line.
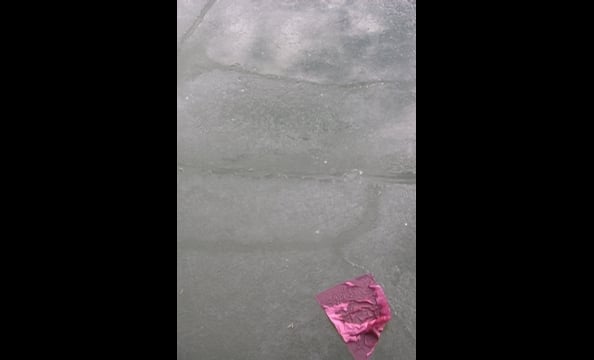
(296, 169)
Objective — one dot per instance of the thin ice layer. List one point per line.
(359, 310)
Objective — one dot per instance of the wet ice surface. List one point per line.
(296, 168)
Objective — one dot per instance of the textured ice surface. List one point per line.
(296, 169)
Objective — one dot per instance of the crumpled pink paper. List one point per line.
(359, 310)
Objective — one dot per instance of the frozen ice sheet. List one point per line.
(296, 169)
